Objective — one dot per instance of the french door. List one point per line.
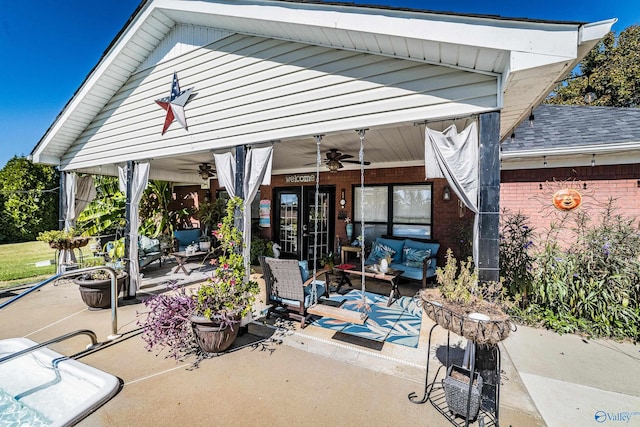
(299, 227)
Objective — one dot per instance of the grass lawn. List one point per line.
(17, 263)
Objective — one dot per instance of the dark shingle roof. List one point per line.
(563, 126)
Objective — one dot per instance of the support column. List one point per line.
(127, 230)
(241, 154)
(489, 202)
(62, 200)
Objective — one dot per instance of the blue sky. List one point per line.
(48, 48)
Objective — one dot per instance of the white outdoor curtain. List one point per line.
(78, 192)
(139, 181)
(85, 193)
(226, 171)
(257, 172)
(69, 200)
(454, 156)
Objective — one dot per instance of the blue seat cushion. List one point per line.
(186, 237)
(412, 257)
(308, 299)
(147, 245)
(396, 245)
(415, 273)
(380, 251)
(304, 270)
(433, 247)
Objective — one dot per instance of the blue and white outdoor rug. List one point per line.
(397, 324)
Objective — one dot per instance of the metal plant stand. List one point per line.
(434, 392)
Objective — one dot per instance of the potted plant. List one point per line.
(464, 306)
(166, 243)
(205, 243)
(210, 214)
(95, 286)
(327, 260)
(209, 316)
(227, 296)
(63, 239)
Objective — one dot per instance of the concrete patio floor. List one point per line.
(308, 379)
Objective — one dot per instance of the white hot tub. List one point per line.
(34, 393)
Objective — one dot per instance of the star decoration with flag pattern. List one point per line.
(174, 105)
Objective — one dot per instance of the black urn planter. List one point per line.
(456, 390)
(96, 293)
(213, 336)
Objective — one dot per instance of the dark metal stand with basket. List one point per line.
(451, 404)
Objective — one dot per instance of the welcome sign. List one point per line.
(300, 178)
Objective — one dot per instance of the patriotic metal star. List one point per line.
(174, 105)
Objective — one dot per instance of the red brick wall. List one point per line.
(445, 214)
(521, 191)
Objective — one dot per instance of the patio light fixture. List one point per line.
(446, 193)
(531, 118)
(333, 165)
(593, 160)
(589, 92)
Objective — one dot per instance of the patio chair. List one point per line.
(286, 287)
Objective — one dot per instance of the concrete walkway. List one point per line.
(305, 377)
(578, 382)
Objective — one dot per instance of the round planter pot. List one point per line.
(211, 336)
(97, 293)
(204, 246)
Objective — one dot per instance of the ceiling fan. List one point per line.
(335, 159)
(206, 171)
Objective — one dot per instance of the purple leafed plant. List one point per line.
(167, 323)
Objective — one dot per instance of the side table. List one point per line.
(183, 257)
(352, 249)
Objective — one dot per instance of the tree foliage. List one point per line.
(28, 200)
(612, 68)
(104, 214)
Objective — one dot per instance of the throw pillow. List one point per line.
(378, 252)
(412, 257)
(304, 270)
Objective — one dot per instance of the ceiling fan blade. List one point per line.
(356, 162)
(344, 156)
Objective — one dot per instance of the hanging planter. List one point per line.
(75, 243)
(489, 329)
(462, 305)
(61, 239)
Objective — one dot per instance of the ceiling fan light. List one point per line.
(333, 166)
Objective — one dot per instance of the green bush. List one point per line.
(588, 284)
(516, 259)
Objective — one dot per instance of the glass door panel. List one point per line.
(318, 229)
(287, 214)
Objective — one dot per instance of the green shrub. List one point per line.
(589, 283)
(516, 259)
